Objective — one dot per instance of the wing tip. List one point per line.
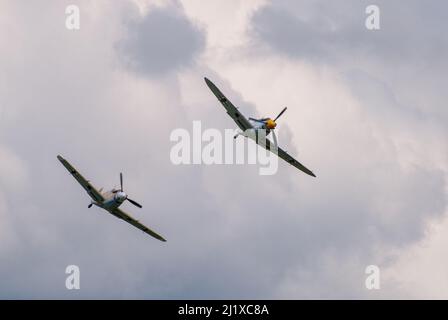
(159, 237)
(62, 160)
(210, 84)
(154, 235)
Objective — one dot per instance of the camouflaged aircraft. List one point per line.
(251, 127)
(110, 200)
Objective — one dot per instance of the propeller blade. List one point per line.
(135, 203)
(121, 181)
(283, 111)
(256, 120)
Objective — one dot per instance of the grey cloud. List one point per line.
(407, 53)
(231, 233)
(161, 41)
(329, 31)
(396, 75)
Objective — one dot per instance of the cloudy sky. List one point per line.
(366, 112)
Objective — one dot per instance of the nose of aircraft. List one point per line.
(270, 124)
(121, 196)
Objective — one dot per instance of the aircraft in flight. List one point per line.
(110, 200)
(251, 125)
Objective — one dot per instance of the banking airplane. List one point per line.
(110, 201)
(251, 125)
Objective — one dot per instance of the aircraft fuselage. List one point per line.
(113, 200)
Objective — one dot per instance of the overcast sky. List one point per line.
(366, 112)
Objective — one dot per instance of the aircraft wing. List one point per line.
(285, 156)
(93, 193)
(126, 217)
(233, 112)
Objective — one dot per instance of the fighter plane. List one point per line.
(248, 125)
(110, 200)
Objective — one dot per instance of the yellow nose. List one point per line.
(270, 124)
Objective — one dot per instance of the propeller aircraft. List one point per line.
(110, 200)
(252, 125)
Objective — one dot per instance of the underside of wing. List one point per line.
(93, 193)
(126, 217)
(242, 122)
(285, 156)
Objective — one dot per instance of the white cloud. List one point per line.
(381, 163)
